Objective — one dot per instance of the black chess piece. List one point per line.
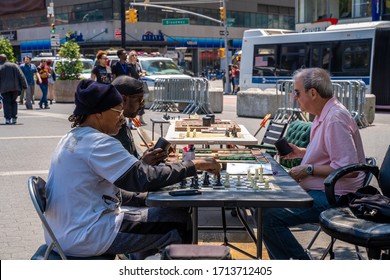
(194, 182)
(183, 183)
(206, 179)
(218, 182)
(234, 132)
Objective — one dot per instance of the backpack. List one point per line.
(367, 203)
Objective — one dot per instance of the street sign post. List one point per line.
(175, 21)
(55, 41)
(222, 32)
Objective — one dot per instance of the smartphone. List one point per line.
(185, 192)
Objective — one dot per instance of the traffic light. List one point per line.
(53, 28)
(134, 15)
(128, 16)
(221, 52)
(222, 13)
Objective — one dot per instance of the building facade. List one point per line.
(313, 15)
(96, 25)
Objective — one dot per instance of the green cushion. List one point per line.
(298, 133)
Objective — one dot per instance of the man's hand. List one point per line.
(207, 164)
(154, 157)
(296, 153)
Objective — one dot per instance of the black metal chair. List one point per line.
(329, 250)
(37, 190)
(341, 224)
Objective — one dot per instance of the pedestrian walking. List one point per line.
(12, 82)
(44, 73)
(30, 71)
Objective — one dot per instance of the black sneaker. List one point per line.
(7, 121)
(47, 107)
(14, 121)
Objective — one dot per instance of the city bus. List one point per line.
(355, 51)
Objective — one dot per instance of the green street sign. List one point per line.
(175, 21)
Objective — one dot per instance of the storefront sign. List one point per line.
(149, 36)
(10, 35)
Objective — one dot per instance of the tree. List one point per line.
(70, 67)
(6, 48)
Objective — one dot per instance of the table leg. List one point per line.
(161, 129)
(259, 240)
(194, 225)
(152, 131)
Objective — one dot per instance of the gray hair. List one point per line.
(316, 78)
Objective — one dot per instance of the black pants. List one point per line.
(10, 105)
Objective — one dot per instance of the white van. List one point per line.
(87, 63)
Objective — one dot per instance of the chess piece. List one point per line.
(206, 179)
(253, 184)
(218, 182)
(188, 131)
(234, 132)
(194, 133)
(266, 183)
(261, 178)
(238, 180)
(183, 183)
(227, 133)
(227, 180)
(194, 182)
(248, 174)
(256, 174)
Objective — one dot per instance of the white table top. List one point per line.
(179, 137)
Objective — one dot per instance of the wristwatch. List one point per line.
(310, 169)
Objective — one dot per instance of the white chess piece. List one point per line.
(238, 180)
(188, 131)
(248, 174)
(227, 180)
(266, 183)
(194, 133)
(261, 178)
(256, 174)
(253, 184)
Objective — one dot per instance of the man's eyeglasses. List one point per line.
(139, 98)
(296, 93)
(118, 111)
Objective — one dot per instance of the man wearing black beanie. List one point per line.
(88, 171)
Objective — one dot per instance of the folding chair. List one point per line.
(274, 132)
(37, 190)
(341, 224)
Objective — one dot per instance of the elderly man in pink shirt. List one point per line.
(334, 142)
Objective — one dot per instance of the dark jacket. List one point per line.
(11, 78)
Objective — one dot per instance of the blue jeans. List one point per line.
(43, 101)
(278, 239)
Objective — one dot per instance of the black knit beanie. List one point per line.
(127, 85)
(92, 97)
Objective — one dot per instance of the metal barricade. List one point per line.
(170, 91)
(351, 93)
(288, 108)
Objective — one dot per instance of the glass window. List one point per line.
(264, 61)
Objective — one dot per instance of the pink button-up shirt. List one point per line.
(334, 140)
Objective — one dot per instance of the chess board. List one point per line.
(235, 184)
(219, 127)
(226, 155)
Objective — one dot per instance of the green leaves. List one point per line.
(70, 67)
(6, 48)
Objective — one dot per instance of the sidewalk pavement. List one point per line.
(26, 149)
